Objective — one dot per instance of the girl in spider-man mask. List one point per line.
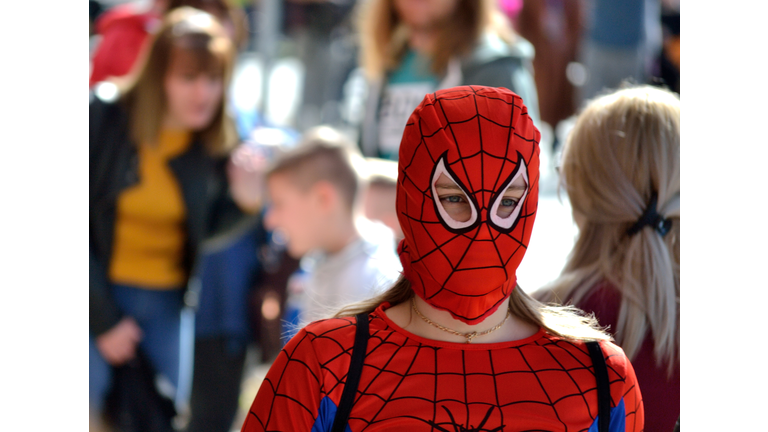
(467, 220)
(455, 344)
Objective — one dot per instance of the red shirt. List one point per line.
(410, 383)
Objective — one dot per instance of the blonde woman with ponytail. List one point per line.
(621, 170)
(455, 344)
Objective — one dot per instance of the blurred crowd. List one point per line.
(222, 221)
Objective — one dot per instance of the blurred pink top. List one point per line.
(511, 7)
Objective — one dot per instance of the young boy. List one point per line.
(314, 193)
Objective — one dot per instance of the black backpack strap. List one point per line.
(353, 376)
(603, 386)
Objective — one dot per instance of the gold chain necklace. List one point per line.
(469, 336)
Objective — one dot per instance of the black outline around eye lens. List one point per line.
(470, 198)
(500, 193)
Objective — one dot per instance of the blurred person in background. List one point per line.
(243, 278)
(314, 195)
(554, 29)
(411, 48)
(158, 148)
(621, 170)
(381, 194)
(126, 29)
(616, 45)
(230, 270)
(322, 30)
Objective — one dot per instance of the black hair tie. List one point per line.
(651, 218)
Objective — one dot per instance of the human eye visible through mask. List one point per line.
(455, 207)
(453, 200)
(505, 208)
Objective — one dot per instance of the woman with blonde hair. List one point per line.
(621, 170)
(409, 49)
(158, 149)
(455, 344)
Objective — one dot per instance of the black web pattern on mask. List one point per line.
(552, 377)
(509, 158)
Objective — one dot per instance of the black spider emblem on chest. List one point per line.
(462, 428)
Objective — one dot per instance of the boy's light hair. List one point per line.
(381, 172)
(323, 154)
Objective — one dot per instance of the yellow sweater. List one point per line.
(150, 225)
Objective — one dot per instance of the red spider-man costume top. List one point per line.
(482, 141)
(410, 383)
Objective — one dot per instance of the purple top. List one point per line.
(661, 395)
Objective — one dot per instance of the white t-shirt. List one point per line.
(363, 269)
(403, 92)
(397, 103)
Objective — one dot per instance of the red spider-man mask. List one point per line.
(468, 188)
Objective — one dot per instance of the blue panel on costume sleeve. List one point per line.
(325, 415)
(618, 418)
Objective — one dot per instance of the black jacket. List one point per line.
(113, 168)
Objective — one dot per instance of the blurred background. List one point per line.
(298, 66)
(298, 54)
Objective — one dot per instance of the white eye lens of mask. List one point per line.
(505, 223)
(450, 221)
